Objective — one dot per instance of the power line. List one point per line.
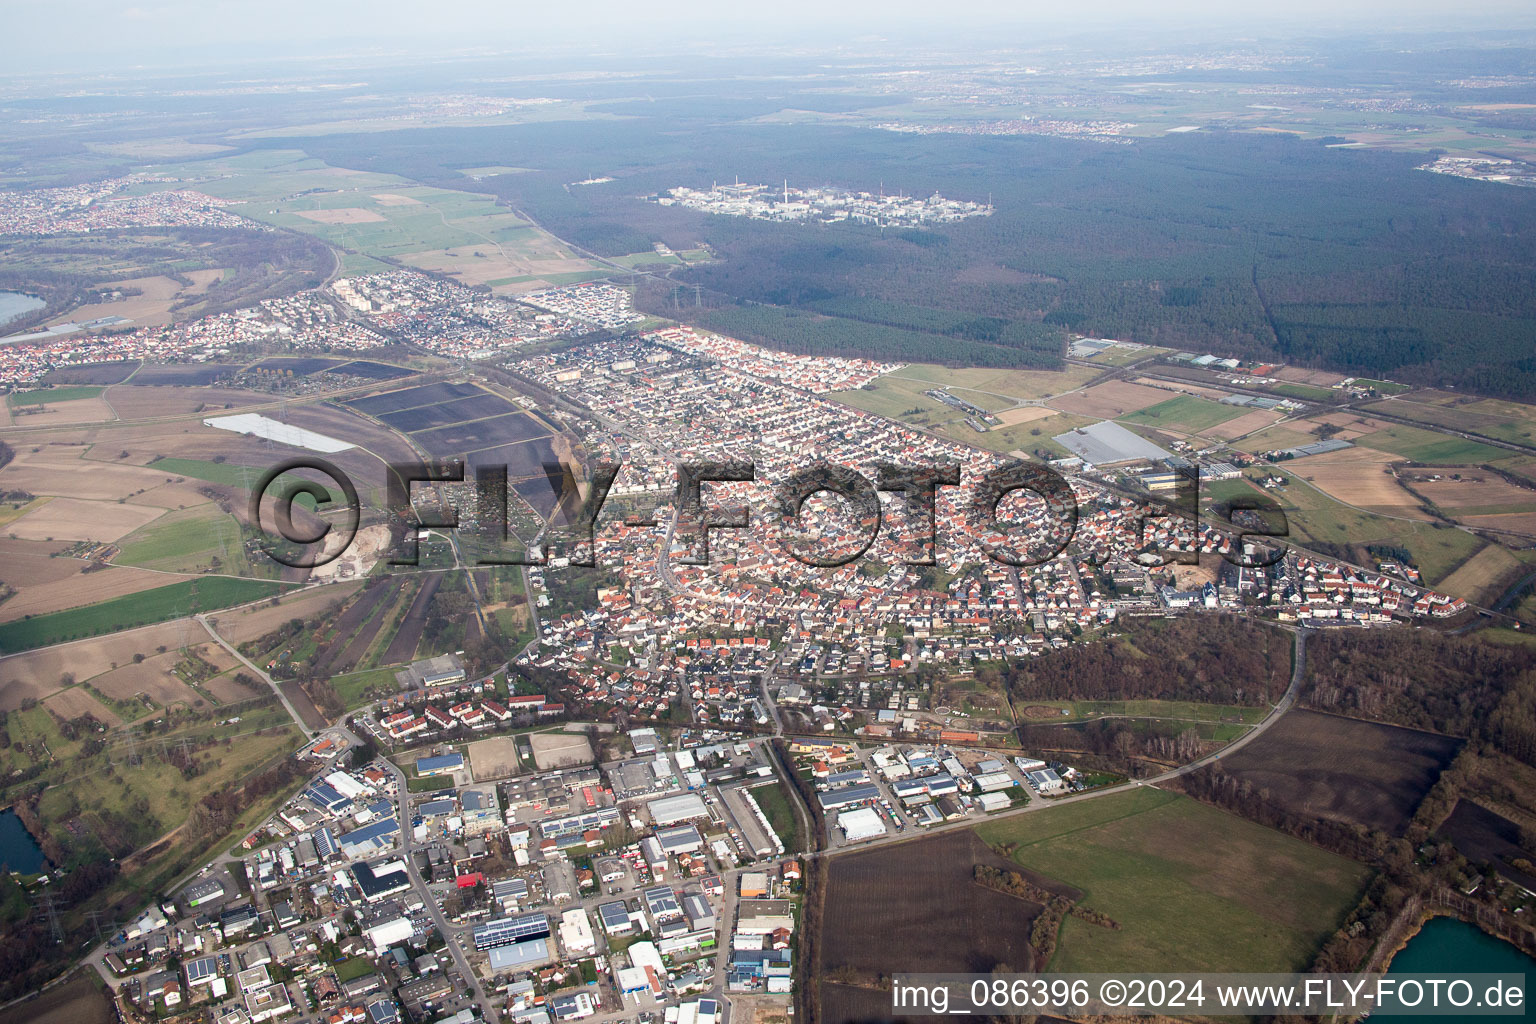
(45, 902)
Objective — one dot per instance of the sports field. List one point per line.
(1193, 888)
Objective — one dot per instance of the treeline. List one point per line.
(1214, 785)
(1462, 686)
(1046, 927)
(1123, 746)
(215, 814)
(803, 793)
(1214, 659)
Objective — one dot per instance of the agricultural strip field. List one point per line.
(1193, 888)
(403, 647)
(140, 609)
(356, 628)
(915, 906)
(34, 597)
(1316, 765)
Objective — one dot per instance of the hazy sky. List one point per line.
(68, 34)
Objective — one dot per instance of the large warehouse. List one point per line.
(861, 824)
(673, 810)
(1108, 443)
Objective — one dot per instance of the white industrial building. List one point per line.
(674, 810)
(576, 933)
(859, 825)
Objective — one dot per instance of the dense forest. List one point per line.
(1218, 659)
(1456, 685)
(1245, 244)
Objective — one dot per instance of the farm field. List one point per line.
(1316, 765)
(1472, 492)
(1282, 435)
(77, 1001)
(1179, 877)
(51, 396)
(38, 674)
(197, 539)
(1019, 384)
(1111, 399)
(1486, 575)
(1431, 448)
(1317, 521)
(35, 597)
(1505, 421)
(1185, 414)
(1361, 477)
(915, 906)
(140, 609)
(1483, 836)
(463, 234)
(1250, 422)
(67, 518)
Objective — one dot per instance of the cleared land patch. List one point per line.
(1316, 765)
(915, 906)
(1359, 476)
(1024, 414)
(494, 758)
(560, 749)
(1111, 399)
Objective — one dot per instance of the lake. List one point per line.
(14, 304)
(1448, 946)
(18, 850)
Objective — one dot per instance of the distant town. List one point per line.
(824, 205)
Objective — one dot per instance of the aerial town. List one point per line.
(823, 205)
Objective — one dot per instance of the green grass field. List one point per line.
(1431, 448)
(352, 686)
(52, 396)
(1185, 413)
(188, 540)
(774, 802)
(1173, 710)
(140, 609)
(230, 475)
(1193, 888)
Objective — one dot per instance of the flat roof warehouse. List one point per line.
(1106, 443)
